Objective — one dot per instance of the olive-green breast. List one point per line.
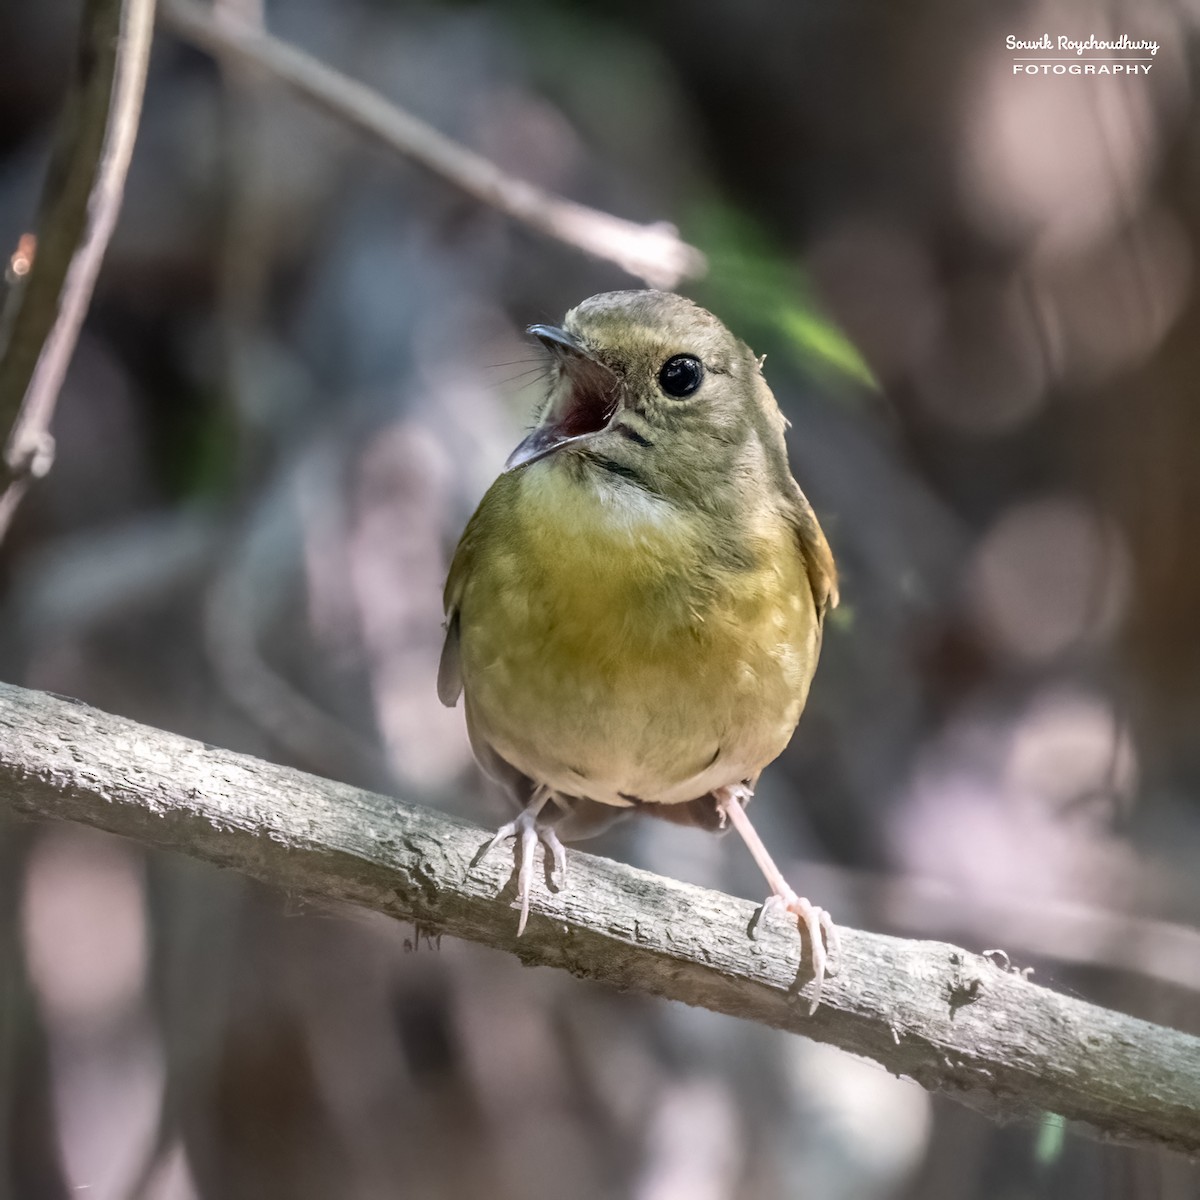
(610, 650)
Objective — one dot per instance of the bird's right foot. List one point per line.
(524, 828)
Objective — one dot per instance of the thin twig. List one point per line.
(952, 1020)
(84, 186)
(653, 253)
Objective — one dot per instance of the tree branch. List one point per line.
(952, 1020)
(653, 253)
(80, 202)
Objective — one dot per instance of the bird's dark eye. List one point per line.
(681, 376)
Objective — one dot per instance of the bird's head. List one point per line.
(650, 387)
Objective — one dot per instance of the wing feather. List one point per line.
(450, 678)
(449, 683)
(818, 557)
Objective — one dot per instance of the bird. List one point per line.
(634, 612)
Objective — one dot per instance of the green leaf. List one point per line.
(759, 291)
(820, 339)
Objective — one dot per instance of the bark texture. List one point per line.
(954, 1021)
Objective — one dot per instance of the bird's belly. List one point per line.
(622, 683)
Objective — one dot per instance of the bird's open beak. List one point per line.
(584, 403)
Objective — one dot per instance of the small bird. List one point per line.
(634, 612)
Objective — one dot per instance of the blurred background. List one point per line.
(303, 366)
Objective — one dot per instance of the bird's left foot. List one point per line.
(822, 934)
(524, 828)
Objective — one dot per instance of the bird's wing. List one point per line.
(450, 682)
(491, 524)
(818, 557)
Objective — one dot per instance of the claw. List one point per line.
(558, 852)
(822, 936)
(525, 829)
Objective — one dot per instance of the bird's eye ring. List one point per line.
(681, 375)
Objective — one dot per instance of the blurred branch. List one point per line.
(241, 603)
(85, 182)
(952, 1020)
(653, 253)
(1067, 931)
